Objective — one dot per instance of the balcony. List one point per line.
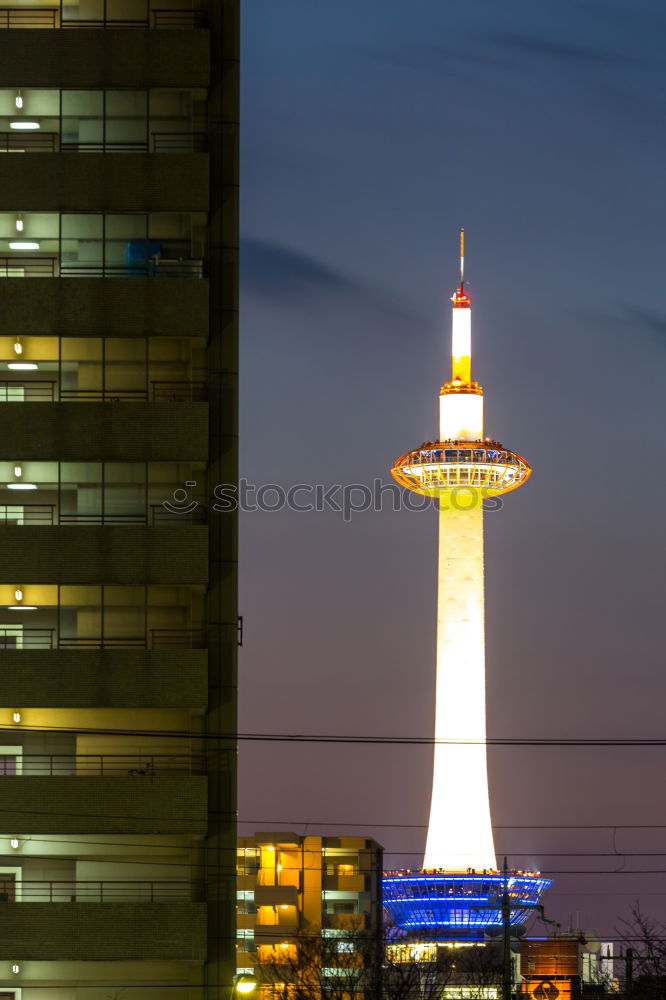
(83, 765)
(348, 881)
(24, 266)
(131, 243)
(52, 142)
(105, 891)
(103, 931)
(115, 553)
(48, 390)
(107, 14)
(43, 515)
(168, 803)
(169, 175)
(88, 432)
(276, 895)
(29, 639)
(96, 307)
(274, 933)
(151, 55)
(166, 676)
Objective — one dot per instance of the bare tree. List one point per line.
(357, 965)
(643, 940)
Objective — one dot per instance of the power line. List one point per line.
(496, 826)
(340, 739)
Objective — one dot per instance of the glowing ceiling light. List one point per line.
(13, 843)
(19, 483)
(16, 968)
(23, 245)
(21, 366)
(19, 223)
(18, 100)
(24, 126)
(16, 716)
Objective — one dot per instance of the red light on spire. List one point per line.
(460, 298)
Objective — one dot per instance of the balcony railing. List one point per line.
(35, 142)
(24, 514)
(77, 765)
(50, 142)
(28, 390)
(28, 267)
(50, 17)
(107, 891)
(51, 267)
(30, 638)
(161, 268)
(28, 514)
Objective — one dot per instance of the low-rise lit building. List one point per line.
(309, 909)
(566, 966)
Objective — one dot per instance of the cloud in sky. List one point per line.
(271, 270)
(289, 277)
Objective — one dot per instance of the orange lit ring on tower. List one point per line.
(441, 466)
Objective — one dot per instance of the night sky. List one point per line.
(372, 131)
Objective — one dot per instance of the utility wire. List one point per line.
(339, 739)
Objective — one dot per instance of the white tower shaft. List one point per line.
(460, 832)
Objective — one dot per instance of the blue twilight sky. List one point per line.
(372, 130)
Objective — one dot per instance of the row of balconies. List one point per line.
(84, 307)
(87, 58)
(125, 431)
(95, 804)
(111, 554)
(114, 678)
(142, 182)
(107, 931)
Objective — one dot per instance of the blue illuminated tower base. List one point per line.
(444, 906)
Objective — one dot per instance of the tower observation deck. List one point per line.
(457, 894)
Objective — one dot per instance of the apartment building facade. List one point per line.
(118, 612)
(309, 912)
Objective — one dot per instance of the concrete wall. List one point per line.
(128, 432)
(90, 182)
(102, 931)
(98, 307)
(123, 678)
(109, 58)
(129, 553)
(114, 804)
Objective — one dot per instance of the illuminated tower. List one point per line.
(457, 891)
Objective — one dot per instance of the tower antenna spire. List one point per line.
(462, 258)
